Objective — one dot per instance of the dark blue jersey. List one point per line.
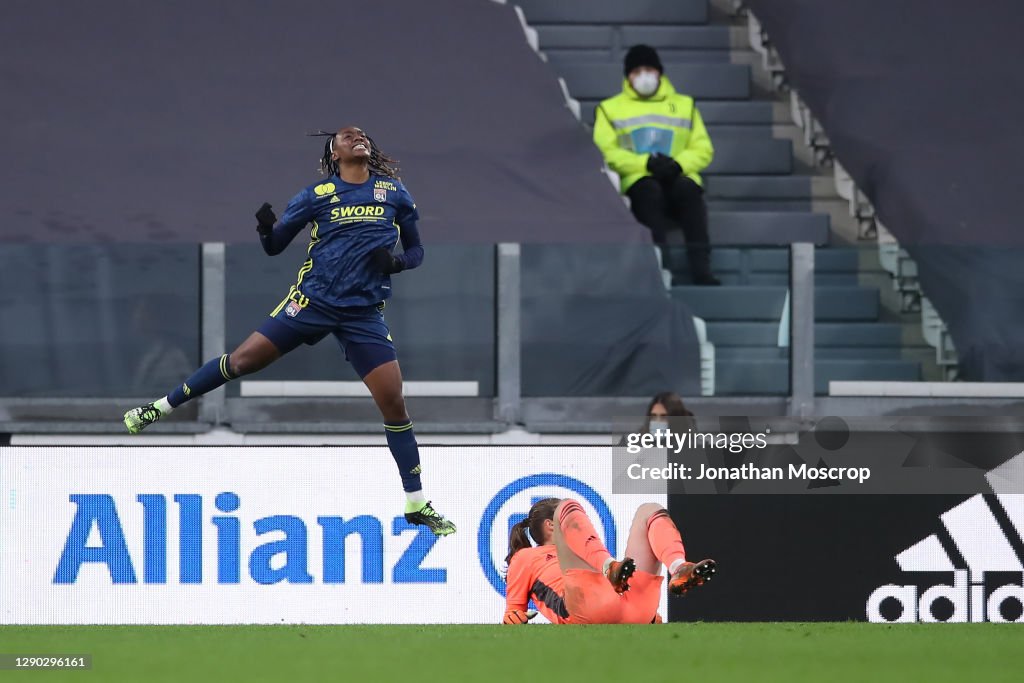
(349, 221)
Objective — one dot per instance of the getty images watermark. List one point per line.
(664, 439)
(816, 455)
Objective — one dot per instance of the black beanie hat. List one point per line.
(641, 55)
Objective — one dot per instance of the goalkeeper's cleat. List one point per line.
(139, 418)
(618, 573)
(691, 575)
(427, 516)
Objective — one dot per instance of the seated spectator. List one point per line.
(654, 138)
(663, 406)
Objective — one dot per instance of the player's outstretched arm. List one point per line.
(275, 235)
(517, 591)
(265, 219)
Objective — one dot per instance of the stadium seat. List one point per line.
(760, 227)
(678, 37)
(852, 353)
(749, 156)
(602, 55)
(740, 112)
(575, 37)
(741, 131)
(671, 38)
(757, 187)
(615, 11)
(839, 334)
(770, 267)
(771, 377)
(765, 303)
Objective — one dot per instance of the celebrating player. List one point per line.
(357, 213)
(573, 579)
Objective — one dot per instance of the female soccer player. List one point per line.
(573, 579)
(358, 214)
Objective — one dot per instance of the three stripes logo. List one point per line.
(981, 536)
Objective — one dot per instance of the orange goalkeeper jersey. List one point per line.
(534, 573)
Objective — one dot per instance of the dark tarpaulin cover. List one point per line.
(128, 121)
(611, 327)
(172, 122)
(923, 102)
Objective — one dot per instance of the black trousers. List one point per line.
(676, 214)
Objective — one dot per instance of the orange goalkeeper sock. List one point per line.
(581, 537)
(665, 541)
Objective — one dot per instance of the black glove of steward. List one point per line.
(663, 167)
(384, 261)
(265, 219)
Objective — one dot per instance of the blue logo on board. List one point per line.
(545, 483)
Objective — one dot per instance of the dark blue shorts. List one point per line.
(360, 330)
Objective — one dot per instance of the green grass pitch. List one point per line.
(640, 654)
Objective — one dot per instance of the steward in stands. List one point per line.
(654, 138)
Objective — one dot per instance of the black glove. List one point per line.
(265, 220)
(384, 261)
(663, 167)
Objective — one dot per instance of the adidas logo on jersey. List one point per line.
(334, 200)
(987, 534)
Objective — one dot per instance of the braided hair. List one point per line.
(379, 163)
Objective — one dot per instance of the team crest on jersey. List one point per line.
(380, 194)
(292, 309)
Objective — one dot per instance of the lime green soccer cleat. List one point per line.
(427, 516)
(139, 418)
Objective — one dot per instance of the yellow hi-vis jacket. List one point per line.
(629, 128)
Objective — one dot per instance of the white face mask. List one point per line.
(654, 426)
(646, 83)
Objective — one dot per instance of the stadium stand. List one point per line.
(493, 154)
(347, 518)
(514, 167)
(947, 187)
(756, 188)
(481, 173)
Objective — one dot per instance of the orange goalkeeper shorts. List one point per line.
(590, 599)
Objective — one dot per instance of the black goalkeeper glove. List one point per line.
(384, 261)
(265, 220)
(663, 167)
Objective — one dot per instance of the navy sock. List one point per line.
(215, 373)
(406, 453)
